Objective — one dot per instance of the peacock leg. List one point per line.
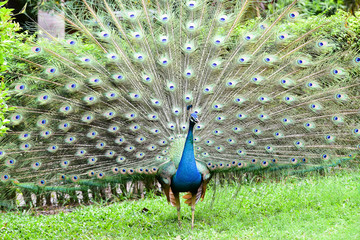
(177, 204)
(193, 201)
(179, 217)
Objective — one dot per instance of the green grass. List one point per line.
(309, 208)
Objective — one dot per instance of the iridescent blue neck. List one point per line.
(188, 152)
(187, 176)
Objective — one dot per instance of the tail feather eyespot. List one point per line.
(264, 163)
(5, 177)
(62, 177)
(41, 183)
(100, 175)
(241, 165)
(75, 178)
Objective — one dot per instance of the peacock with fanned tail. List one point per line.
(176, 91)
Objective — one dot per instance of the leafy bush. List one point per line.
(8, 40)
(310, 7)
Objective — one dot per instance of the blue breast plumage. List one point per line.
(187, 177)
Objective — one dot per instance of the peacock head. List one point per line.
(193, 118)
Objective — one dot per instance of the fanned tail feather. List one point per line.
(108, 105)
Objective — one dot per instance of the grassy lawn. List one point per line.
(308, 208)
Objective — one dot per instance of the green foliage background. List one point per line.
(8, 40)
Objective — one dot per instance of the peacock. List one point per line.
(176, 92)
(186, 175)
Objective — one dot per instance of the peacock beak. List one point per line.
(196, 120)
